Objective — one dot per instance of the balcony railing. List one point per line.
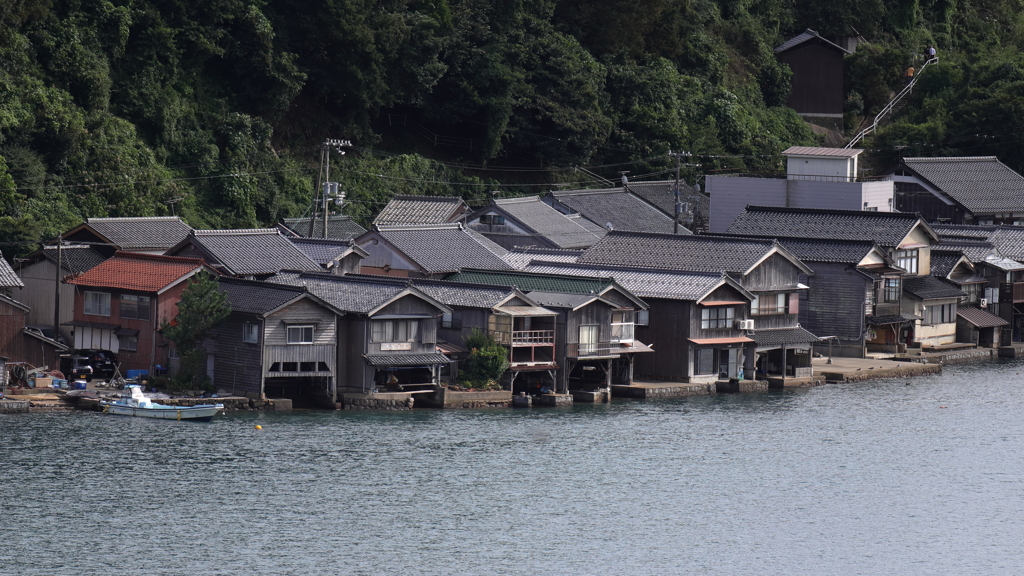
(533, 337)
(524, 337)
(592, 349)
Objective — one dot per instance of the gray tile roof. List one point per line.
(614, 206)
(930, 287)
(253, 297)
(547, 222)
(807, 36)
(888, 229)
(963, 231)
(8, 279)
(660, 194)
(690, 253)
(825, 250)
(446, 247)
(531, 282)
(560, 299)
(891, 319)
(975, 251)
(464, 295)
(248, 252)
(982, 184)
(643, 283)
(359, 295)
(420, 210)
(1009, 241)
(153, 232)
(339, 227)
(323, 252)
(519, 258)
(780, 336)
(75, 258)
(943, 262)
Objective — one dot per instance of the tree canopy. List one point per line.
(215, 111)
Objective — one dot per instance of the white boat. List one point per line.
(138, 405)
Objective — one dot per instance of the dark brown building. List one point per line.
(817, 81)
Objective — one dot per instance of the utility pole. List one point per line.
(679, 205)
(56, 291)
(325, 189)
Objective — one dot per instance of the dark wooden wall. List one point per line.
(237, 365)
(834, 306)
(817, 81)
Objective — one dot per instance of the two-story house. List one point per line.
(908, 241)
(594, 331)
(387, 337)
(762, 267)
(278, 342)
(121, 304)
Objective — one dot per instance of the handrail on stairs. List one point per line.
(888, 107)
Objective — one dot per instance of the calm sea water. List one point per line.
(869, 478)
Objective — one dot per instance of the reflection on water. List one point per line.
(869, 478)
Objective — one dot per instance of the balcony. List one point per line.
(533, 337)
(593, 350)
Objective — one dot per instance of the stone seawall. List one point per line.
(904, 370)
(8, 406)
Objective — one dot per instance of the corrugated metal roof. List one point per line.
(780, 336)
(821, 151)
(980, 318)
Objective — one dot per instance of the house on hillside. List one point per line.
(121, 304)
(696, 324)
(42, 272)
(278, 342)
(415, 210)
(387, 336)
(761, 266)
(529, 222)
(339, 227)
(594, 332)
(428, 251)
(249, 253)
(960, 190)
(816, 92)
(613, 209)
(816, 178)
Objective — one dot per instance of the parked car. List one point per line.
(75, 367)
(103, 362)
(46, 332)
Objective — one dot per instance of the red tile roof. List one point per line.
(142, 272)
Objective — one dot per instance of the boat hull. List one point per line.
(202, 413)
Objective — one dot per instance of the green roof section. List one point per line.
(529, 282)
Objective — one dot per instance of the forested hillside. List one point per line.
(214, 110)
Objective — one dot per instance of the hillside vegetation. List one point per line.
(215, 110)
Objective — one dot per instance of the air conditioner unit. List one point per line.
(744, 324)
(983, 303)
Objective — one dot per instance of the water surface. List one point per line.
(870, 478)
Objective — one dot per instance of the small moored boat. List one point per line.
(138, 405)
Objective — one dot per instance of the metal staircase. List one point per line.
(890, 107)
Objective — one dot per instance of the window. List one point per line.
(395, 330)
(300, 334)
(250, 332)
(643, 318)
(588, 340)
(492, 219)
(97, 303)
(128, 343)
(453, 320)
(869, 298)
(770, 304)
(704, 361)
(907, 259)
(711, 318)
(134, 307)
(891, 292)
(939, 314)
(622, 326)
(973, 293)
